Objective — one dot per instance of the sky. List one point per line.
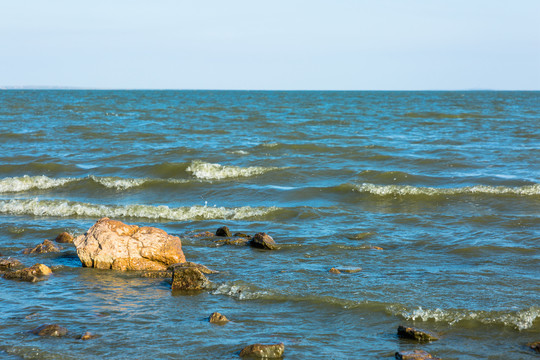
(271, 45)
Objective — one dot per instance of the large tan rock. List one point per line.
(111, 244)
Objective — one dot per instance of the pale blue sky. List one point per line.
(293, 44)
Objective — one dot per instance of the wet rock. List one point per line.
(263, 241)
(415, 355)
(217, 318)
(334, 271)
(157, 274)
(232, 241)
(223, 231)
(46, 247)
(50, 330)
(189, 264)
(9, 264)
(242, 235)
(261, 351)
(111, 244)
(38, 272)
(64, 238)
(206, 234)
(535, 346)
(415, 334)
(188, 278)
(87, 336)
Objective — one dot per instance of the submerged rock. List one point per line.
(206, 234)
(415, 355)
(334, 271)
(64, 238)
(9, 264)
(46, 247)
(50, 330)
(348, 270)
(263, 241)
(415, 334)
(535, 346)
(217, 318)
(261, 351)
(38, 272)
(240, 241)
(223, 231)
(242, 235)
(188, 278)
(111, 244)
(87, 336)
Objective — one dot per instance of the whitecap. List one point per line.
(25, 183)
(211, 171)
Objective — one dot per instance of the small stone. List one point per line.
(65, 238)
(261, 351)
(217, 318)
(50, 330)
(8, 264)
(535, 346)
(414, 355)
(415, 334)
(223, 231)
(189, 278)
(87, 336)
(263, 241)
(35, 273)
(46, 247)
(334, 271)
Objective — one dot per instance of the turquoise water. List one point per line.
(446, 183)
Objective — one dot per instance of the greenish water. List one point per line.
(447, 183)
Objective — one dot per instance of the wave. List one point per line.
(42, 182)
(405, 190)
(521, 319)
(63, 208)
(210, 171)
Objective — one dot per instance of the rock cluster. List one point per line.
(111, 244)
(223, 236)
(38, 272)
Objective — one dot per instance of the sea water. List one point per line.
(435, 195)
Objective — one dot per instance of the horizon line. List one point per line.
(53, 87)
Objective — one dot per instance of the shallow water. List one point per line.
(446, 183)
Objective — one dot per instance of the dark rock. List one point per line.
(263, 241)
(415, 355)
(64, 238)
(50, 330)
(535, 346)
(46, 247)
(189, 264)
(188, 278)
(217, 318)
(261, 351)
(415, 334)
(9, 264)
(334, 271)
(87, 336)
(223, 231)
(35, 273)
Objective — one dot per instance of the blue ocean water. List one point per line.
(435, 195)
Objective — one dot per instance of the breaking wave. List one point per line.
(25, 183)
(521, 320)
(405, 190)
(210, 171)
(62, 208)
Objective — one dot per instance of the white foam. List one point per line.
(210, 171)
(520, 320)
(25, 183)
(118, 183)
(64, 208)
(395, 190)
(239, 291)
